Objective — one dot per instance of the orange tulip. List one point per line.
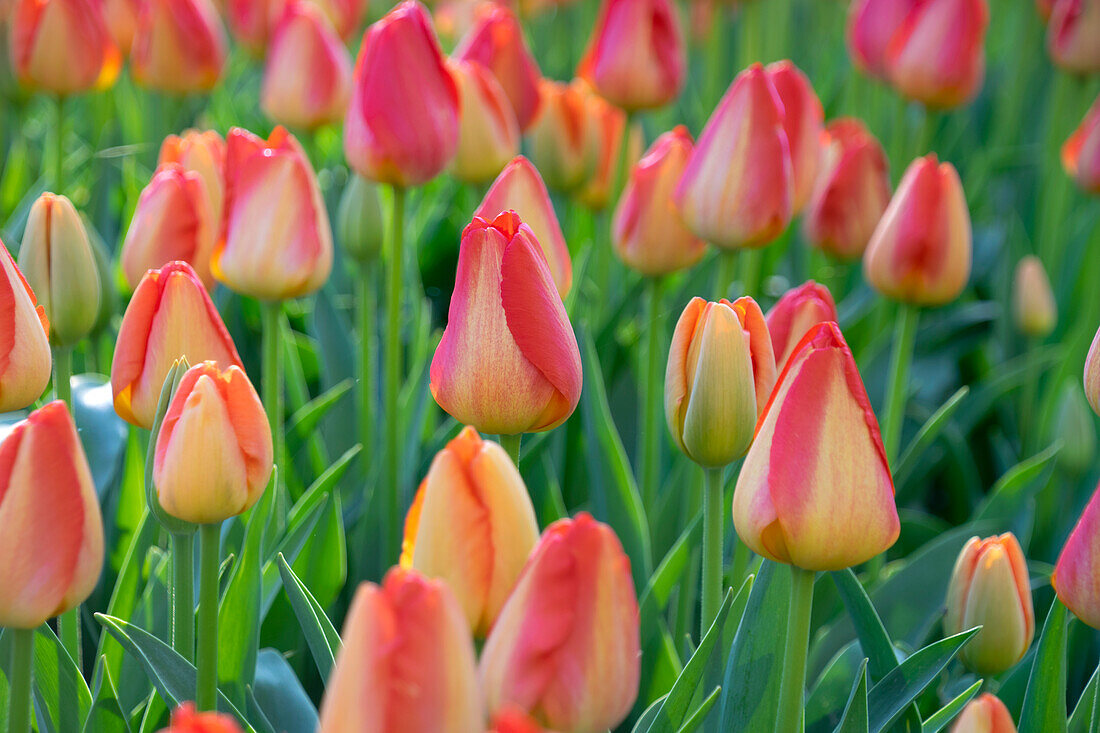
(513, 720)
(121, 17)
(202, 152)
(1076, 576)
(62, 46)
(558, 136)
(179, 46)
(251, 21)
(186, 720)
(1033, 304)
(984, 714)
(1081, 152)
(25, 359)
(799, 310)
(488, 134)
(51, 531)
(603, 141)
(344, 15)
(802, 121)
(1072, 35)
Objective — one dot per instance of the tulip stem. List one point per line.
(390, 518)
(367, 406)
(621, 163)
(206, 693)
(59, 149)
(712, 549)
(183, 594)
(905, 334)
(19, 694)
(650, 429)
(750, 271)
(273, 383)
(62, 375)
(510, 443)
(792, 686)
(727, 272)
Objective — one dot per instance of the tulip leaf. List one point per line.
(321, 636)
(105, 715)
(102, 432)
(939, 719)
(238, 615)
(927, 435)
(1007, 501)
(668, 573)
(303, 423)
(645, 720)
(324, 557)
(279, 695)
(61, 697)
(1086, 717)
(854, 719)
(696, 719)
(824, 705)
(256, 713)
(1044, 708)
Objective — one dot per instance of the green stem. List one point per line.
(727, 272)
(651, 429)
(510, 443)
(273, 383)
(206, 694)
(367, 408)
(1028, 395)
(750, 271)
(183, 594)
(792, 686)
(621, 163)
(392, 379)
(19, 694)
(59, 148)
(751, 50)
(712, 549)
(927, 131)
(897, 386)
(63, 374)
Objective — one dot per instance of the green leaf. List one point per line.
(280, 696)
(324, 558)
(105, 715)
(854, 719)
(319, 632)
(664, 579)
(102, 432)
(1006, 500)
(646, 718)
(1044, 708)
(61, 697)
(697, 718)
(927, 435)
(304, 421)
(1085, 718)
(947, 713)
(239, 616)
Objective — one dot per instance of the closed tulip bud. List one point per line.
(179, 46)
(360, 225)
(251, 21)
(57, 260)
(506, 320)
(201, 152)
(1092, 374)
(307, 74)
(721, 369)
(51, 531)
(558, 136)
(851, 191)
(1081, 152)
(738, 189)
(1071, 35)
(213, 454)
(984, 714)
(1076, 577)
(799, 310)
(343, 15)
(472, 525)
(62, 46)
(920, 252)
(1076, 428)
(1033, 305)
(990, 588)
(565, 647)
(488, 134)
(648, 231)
(407, 662)
(803, 123)
(815, 490)
(186, 720)
(1044, 8)
(603, 145)
(390, 135)
(519, 188)
(121, 17)
(496, 42)
(636, 57)
(871, 26)
(25, 359)
(170, 316)
(276, 242)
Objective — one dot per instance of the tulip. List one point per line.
(276, 242)
(636, 57)
(513, 720)
(170, 316)
(984, 714)
(57, 260)
(851, 190)
(179, 46)
(558, 135)
(737, 190)
(648, 231)
(172, 222)
(307, 74)
(25, 359)
(519, 188)
(472, 525)
(565, 647)
(506, 320)
(721, 369)
(1081, 152)
(799, 310)
(802, 121)
(407, 662)
(920, 250)
(344, 15)
(1044, 8)
(1071, 35)
(202, 152)
(815, 490)
(1076, 428)
(990, 588)
(359, 223)
(604, 149)
(62, 46)
(496, 42)
(1076, 577)
(213, 454)
(121, 17)
(1092, 374)
(51, 531)
(488, 134)
(186, 720)
(871, 26)
(1032, 300)
(251, 21)
(391, 135)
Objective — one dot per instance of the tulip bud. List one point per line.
(471, 524)
(799, 310)
(56, 258)
(565, 647)
(990, 588)
(62, 46)
(871, 26)
(213, 455)
(51, 531)
(251, 21)
(636, 57)
(1033, 304)
(1072, 35)
(276, 242)
(121, 17)
(506, 320)
(186, 720)
(407, 662)
(203, 153)
(802, 121)
(519, 188)
(25, 359)
(738, 188)
(496, 42)
(984, 714)
(721, 369)
(307, 74)
(344, 16)
(648, 231)
(179, 46)
(603, 147)
(1076, 577)
(359, 221)
(488, 134)
(1044, 8)
(1076, 429)
(1092, 374)
(558, 135)
(920, 251)
(851, 190)
(513, 720)
(1081, 152)
(391, 135)
(815, 490)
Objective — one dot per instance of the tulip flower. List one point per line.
(1081, 152)
(121, 17)
(990, 588)
(558, 135)
(391, 135)
(25, 359)
(179, 46)
(984, 714)
(815, 490)
(920, 251)
(215, 414)
(1071, 35)
(62, 46)
(513, 720)
(802, 121)
(738, 188)
(276, 242)
(488, 134)
(1033, 304)
(344, 15)
(603, 149)
(186, 720)
(871, 26)
(648, 231)
(472, 524)
(202, 152)
(1092, 374)
(407, 662)
(359, 224)
(721, 369)
(799, 310)
(636, 57)
(565, 647)
(57, 260)
(496, 42)
(51, 531)
(506, 320)
(307, 73)
(1076, 577)
(251, 21)
(172, 221)
(170, 316)
(851, 190)
(1044, 8)
(519, 188)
